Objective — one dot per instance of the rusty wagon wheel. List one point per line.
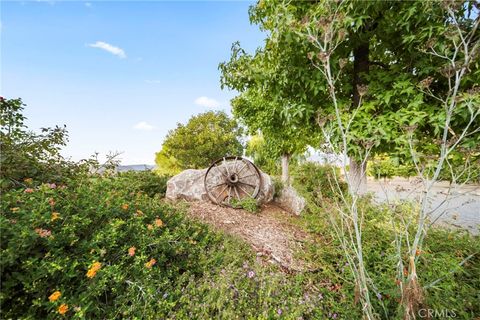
(231, 179)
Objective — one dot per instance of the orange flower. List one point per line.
(158, 222)
(92, 272)
(139, 213)
(63, 308)
(149, 227)
(150, 263)
(14, 209)
(125, 206)
(51, 201)
(28, 180)
(131, 251)
(55, 216)
(28, 190)
(54, 296)
(418, 252)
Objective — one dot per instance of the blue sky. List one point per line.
(119, 74)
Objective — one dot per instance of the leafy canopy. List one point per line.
(205, 138)
(281, 79)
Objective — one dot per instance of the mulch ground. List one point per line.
(268, 232)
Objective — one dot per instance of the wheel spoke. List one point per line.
(246, 163)
(217, 185)
(248, 176)
(245, 191)
(248, 184)
(235, 165)
(216, 198)
(223, 173)
(229, 194)
(226, 166)
(236, 193)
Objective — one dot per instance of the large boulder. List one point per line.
(189, 185)
(289, 199)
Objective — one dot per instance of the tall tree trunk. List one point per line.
(361, 64)
(285, 175)
(358, 176)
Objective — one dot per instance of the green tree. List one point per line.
(280, 119)
(260, 152)
(205, 138)
(377, 62)
(391, 77)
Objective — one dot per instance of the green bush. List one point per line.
(384, 166)
(26, 155)
(438, 259)
(317, 183)
(146, 181)
(440, 254)
(247, 204)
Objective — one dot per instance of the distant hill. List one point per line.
(135, 167)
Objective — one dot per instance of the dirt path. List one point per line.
(268, 232)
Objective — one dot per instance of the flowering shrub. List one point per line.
(94, 249)
(85, 250)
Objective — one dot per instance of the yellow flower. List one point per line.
(54, 296)
(125, 206)
(149, 227)
(131, 251)
(28, 180)
(150, 263)
(63, 308)
(158, 222)
(14, 209)
(55, 216)
(94, 269)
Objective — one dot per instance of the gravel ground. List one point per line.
(453, 207)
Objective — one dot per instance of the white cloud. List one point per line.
(144, 126)
(109, 48)
(207, 102)
(88, 4)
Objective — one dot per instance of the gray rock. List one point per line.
(189, 185)
(290, 200)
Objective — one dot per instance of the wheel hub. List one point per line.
(232, 179)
